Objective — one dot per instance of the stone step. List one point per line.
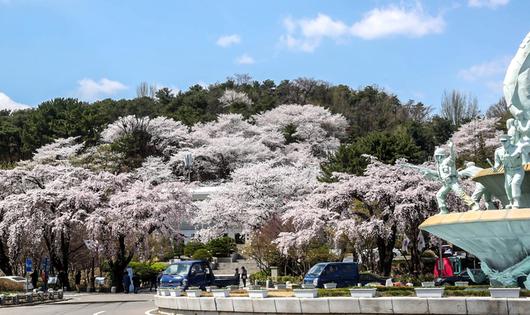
(229, 267)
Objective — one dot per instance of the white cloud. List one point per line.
(245, 60)
(307, 34)
(487, 3)
(228, 40)
(7, 103)
(323, 26)
(485, 70)
(90, 90)
(380, 23)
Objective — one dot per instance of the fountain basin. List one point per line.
(499, 238)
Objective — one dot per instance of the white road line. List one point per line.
(149, 312)
(98, 313)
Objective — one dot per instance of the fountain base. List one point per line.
(499, 238)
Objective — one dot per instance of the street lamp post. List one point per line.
(188, 164)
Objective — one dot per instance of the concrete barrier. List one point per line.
(342, 305)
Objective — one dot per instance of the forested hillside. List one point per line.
(378, 121)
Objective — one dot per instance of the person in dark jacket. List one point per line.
(78, 280)
(34, 279)
(126, 282)
(136, 283)
(153, 282)
(244, 276)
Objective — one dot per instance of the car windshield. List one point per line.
(177, 269)
(316, 270)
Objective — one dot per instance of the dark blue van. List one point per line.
(194, 273)
(189, 273)
(344, 274)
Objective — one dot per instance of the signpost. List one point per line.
(29, 268)
(29, 265)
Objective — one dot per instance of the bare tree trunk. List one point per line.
(119, 264)
(5, 264)
(386, 255)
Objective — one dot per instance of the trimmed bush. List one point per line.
(260, 276)
(202, 254)
(145, 270)
(192, 247)
(222, 246)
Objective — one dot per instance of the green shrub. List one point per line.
(222, 246)
(319, 254)
(192, 247)
(260, 276)
(202, 254)
(145, 270)
(158, 267)
(467, 293)
(396, 293)
(384, 289)
(333, 292)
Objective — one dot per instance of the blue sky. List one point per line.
(93, 49)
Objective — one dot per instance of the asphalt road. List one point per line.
(112, 308)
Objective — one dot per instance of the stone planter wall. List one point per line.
(505, 292)
(358, 293)
(429, 292)
(220, 292)
(331, 285)
(258, 293)
(305, 293)
(342, 305)
(194, 293)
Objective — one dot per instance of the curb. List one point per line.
(33, 303)
(99, 302)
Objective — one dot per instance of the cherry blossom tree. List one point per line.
(155, 171)
(230, 142)
(257, 193)
(48, 213)
(158, 135)
(477, 139)
(231, 97)
(370, 210)
(59, 150)
(133, 213)
(305, 123)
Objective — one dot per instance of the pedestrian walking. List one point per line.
(78, 281)
(44, 277)
(34, 279)
(126, 282)
(153, 282)
(136, 283)
(244, 276)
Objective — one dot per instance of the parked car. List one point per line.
(15, 283)
(193, 273)
(344, 274)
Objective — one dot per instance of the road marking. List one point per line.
(99, 312)
(153, 310)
